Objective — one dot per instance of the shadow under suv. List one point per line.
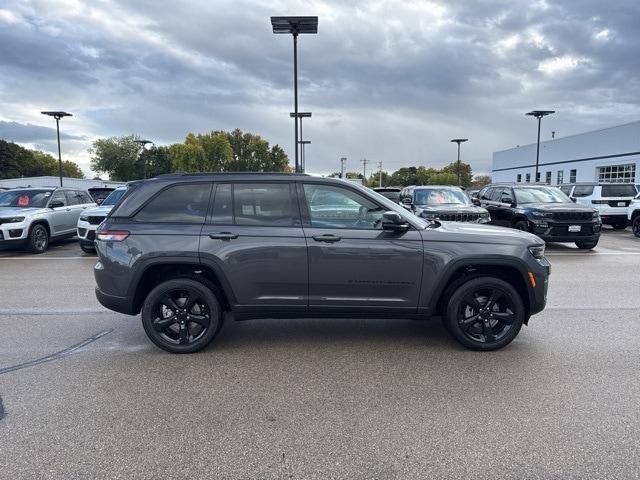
(184, 249)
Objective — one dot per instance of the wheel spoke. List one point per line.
(203, 320)
(495, 296)
(184, 334)
(161, 323)
(466, 323)
(488, 333)
(505, 317)
(169, 302)
(190, 301)
(472, 301)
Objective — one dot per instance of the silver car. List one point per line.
(92, 217)
(32, 217)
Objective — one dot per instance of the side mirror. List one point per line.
(56, 204)
(475, 201)
(406, 201)
(507, 200)
(394, 221)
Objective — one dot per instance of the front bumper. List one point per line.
(538, 294)
(14, 231)
(551, 231)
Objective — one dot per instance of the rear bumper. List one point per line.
(117, 304)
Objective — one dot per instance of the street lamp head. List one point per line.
(459, 140)
(294, 25)
(57, 115)
(142, 141)
(540, 113)
(300, 114)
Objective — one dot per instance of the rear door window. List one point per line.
(583, 190)
(263, 204)
(183, 203)
(222, 205)
(59, 196)
(486, 193)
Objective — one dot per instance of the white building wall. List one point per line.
(51, 181)
(585, 153)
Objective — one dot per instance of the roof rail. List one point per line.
(208, 174)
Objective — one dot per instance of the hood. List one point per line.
(483, 233)
(97, 211)
(18, 212)
(558, 207)
(452, 208)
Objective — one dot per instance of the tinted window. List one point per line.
(73, 196)
(25, 198)
(506, 195)
(59, 196)
(222, 207)
(486, 193)
(85, 197)
(113, 197)
(335, 207)
(566, 189)
(618, 191)
(266, 204)
(186, 203)
(440, 196)
(390, 194)
(582, 190)
(496, 193)
(540, 195)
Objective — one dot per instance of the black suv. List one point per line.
(542, 210)
(442, 202)
(185, 248)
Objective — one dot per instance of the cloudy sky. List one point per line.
(392, 81)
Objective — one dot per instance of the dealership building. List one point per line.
(607, 155)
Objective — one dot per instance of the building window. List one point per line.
(537, 177)
(548, 178)
(617, 173)
(528, 178)
(519, 178)
(572, 175)
(560, 177)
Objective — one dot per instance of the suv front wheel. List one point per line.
(635, 226)
(484, 313)
(38, 239)
(181, 315)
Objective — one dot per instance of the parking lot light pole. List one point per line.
(302, 153)
(58, 116)
(538, 114)
(459, 141)
(295, 26)
(301, 115)
(142, 144)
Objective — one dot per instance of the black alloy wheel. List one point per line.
(635, 226)
(38, 240)
(485, 313)
(181, 315)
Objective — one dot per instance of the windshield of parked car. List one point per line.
(113, 197)
(540, 195)
(392, 195)
(394, 207)
(25, 198)
(440, 196)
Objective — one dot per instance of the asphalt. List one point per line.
(322, 399)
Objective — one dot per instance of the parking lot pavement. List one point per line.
(323, 398)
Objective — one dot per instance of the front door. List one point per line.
(62, 217)
(353, 263)
(254, 239)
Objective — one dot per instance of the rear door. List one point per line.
(253, 239)
(353, 263)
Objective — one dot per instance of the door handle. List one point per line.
(327, 238)
(223, 236)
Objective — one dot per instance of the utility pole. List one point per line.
(343, 162)
(380, 167)
(364, 169)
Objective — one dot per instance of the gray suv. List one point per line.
(186, 249)
(32, 217)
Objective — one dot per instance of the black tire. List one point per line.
(635, 226)
(175, 332)
(88, 249)
(586, 245)
(522, 225)
(494, 325)
(619, 226)
(38, 240)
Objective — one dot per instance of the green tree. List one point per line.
(480, 181)
(465, 173)
(374, 179)
(17, 161)
(154, 161)
(187, 157)
(217, 150)
(117, 157)
(251, 153)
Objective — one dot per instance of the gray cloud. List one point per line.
(392, 81)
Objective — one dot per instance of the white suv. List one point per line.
(31, 217)
(610, 199)
(633, 215)
(92, 217)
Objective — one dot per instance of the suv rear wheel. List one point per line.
(484, 313)
(38, 240)
(181, 315)
(635, 226)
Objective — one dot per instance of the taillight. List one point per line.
(112, 235)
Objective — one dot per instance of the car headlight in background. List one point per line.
(84, 218)
(595, 215)
(537, 250)
(541, 214)
(484, 218)
(12, 220)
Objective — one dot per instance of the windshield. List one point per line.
(394, 207)
(440, 196)
(25, 198)
(540, 195)
(113, 197)
(392, 195)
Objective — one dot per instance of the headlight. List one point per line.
(84, 218)
(484, 218)
(12, 219)
(537, 250)
(595, 215)
(430, 216)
